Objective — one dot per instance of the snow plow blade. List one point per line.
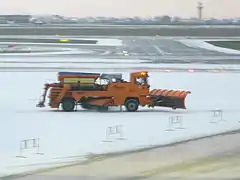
(174, 99)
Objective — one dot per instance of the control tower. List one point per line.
(200, 8)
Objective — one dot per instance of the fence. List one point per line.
(114, 133)
(180, 123)
(217, 116)
(29, 144)
(174, 123)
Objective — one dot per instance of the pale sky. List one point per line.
(123, 8)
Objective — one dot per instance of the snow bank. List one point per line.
(100, 42)
(107, 42)
(196, 43)
(70, 52)
(110, 64)
(63, 60)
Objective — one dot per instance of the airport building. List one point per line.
(18, 19)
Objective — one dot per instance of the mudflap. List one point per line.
(174, 99)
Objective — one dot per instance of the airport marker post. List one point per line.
(114, 131)
(26, 144)
(175, 122)
(217, 116)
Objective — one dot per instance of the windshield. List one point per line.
(142, 80)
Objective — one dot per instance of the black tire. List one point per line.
(68, 104)
(132, 105)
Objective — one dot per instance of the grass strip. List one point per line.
(226, 44)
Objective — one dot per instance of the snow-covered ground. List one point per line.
(123, 65)
(200, 43)
(79, 133)
(58, 50)
(100, 42)
(39, 52)
(213, 107)
(38, 61)
(112, 63)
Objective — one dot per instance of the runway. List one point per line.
(158, 50)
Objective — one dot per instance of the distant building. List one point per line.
(18, 19)
(3, 20)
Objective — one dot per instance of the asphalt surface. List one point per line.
(207, 31)
(153, 49)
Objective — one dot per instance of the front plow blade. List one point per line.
(169, 98)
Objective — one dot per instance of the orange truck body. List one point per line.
(81, 89)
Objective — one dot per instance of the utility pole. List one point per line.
(200, 8)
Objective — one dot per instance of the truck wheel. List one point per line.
(68, 104)
(131, 105)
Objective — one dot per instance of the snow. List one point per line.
(25, 60)
(80, 133)
(70, 52)
(109, 64)
(109, 42)
(68, 137)
(195, 43)
(100, 42)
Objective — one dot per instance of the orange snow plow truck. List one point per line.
(101, 91)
